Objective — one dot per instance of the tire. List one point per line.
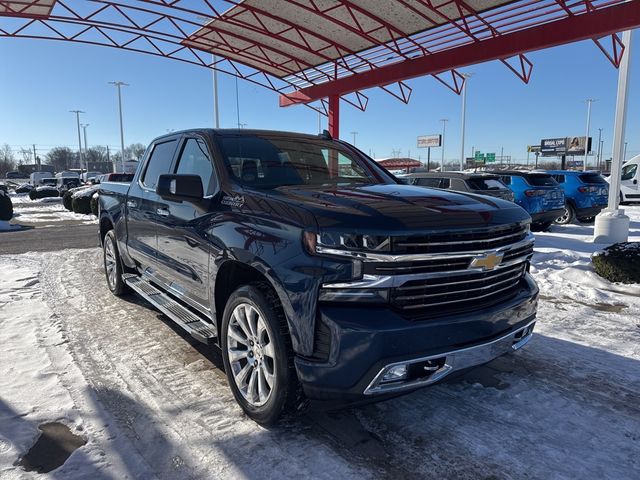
(621, 199)
(567, 217)
(541, 226)
(263, 380)
(587, 220)
(113, 265)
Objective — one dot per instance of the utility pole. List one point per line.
(78, 112)
(119, 84)
(586, 137)
(86, 147)
(35, 157)
(598, 149)
(444, 127)
(354, 137)
(462, 120)
(624, 155)
(238, 103)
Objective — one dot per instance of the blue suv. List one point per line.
(538, 193)
(586, 194)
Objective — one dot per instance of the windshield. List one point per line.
(486, 184)
(592, 178)
(541, 180)
(275, 161)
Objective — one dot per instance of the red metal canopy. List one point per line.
(316, 52)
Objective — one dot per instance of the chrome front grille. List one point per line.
(457, 241)
(465, 290)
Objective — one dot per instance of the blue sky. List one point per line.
(43, 80)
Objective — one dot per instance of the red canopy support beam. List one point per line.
(571, 29)
(334, 116)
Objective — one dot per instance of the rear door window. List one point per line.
(195, 160)
(592, 178)
(485, 184)
(428, 182)
(506, 179)
(159, 163)
(541, 180)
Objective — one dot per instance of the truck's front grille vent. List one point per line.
(465, 291)
(460, 241)
(417, 266)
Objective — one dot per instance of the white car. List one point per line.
(629, 184)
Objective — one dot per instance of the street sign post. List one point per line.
(428, 141)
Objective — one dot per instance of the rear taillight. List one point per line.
(588, 189)
(534, 193)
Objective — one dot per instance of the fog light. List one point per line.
(397, 372)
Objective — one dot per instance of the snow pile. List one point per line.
(46, 210)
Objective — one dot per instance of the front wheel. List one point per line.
(113, 265)
(567, 217)
(257, 354)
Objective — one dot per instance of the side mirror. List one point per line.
(180, 187)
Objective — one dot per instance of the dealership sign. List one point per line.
(428, 141)
(556, 147)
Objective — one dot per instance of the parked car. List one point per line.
(49, 182)
(24, 188)
(66, 183)
(313, 270)
(586, 194)
(478, 183)
(537, 192)
(36, 178)
(117, 177)
(16, 174)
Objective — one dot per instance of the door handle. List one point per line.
(131, 204)
(163, 212)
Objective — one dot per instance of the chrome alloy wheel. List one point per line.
(110, 263)
(251, 354)
(564, 218)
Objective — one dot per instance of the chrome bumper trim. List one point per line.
(454, 361)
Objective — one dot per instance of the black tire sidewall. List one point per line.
(119, 287)
(269, 412)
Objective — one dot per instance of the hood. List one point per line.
(397, 208)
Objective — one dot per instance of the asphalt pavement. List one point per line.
(61, 236)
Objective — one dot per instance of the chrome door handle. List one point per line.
(163, 212)
(131, 204)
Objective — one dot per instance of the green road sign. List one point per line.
(491, 157)
(478, 155)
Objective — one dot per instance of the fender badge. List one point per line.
(235, 201)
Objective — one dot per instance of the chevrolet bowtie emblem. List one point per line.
(488, 261)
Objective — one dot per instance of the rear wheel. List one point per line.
(257, 354)
(587, 220)
(567, 217)
(113, 265)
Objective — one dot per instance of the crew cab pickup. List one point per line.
(315, 272)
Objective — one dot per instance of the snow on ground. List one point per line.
(44, 210)
(152, 403)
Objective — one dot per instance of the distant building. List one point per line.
(28, 169)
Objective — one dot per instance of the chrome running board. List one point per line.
(195, 325)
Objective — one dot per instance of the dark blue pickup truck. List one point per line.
(315, 272)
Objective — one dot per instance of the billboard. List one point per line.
(556, 147)
(428, 141)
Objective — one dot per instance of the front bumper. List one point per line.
(365, 341)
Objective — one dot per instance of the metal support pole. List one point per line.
(78, 112)
(586, 136)
(119, 84)
(444, 127)
(428, 158)
(611, 224)
(334, 131)
(462, 121)
(86, 148)
(598, 149)
(35, 158)
(354, 137)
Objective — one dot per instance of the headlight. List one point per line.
(344, 244)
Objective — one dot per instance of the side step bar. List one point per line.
(191, 322)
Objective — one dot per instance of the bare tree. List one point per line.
(26, 156)
(7, 160)
(96, 154)
(61, 158)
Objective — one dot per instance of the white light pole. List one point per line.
(586, 136)
(612, 225)
(354, 137)
(444, 127)
(215, 93)
(462, 120)
(86, 147)
(119, 84)
(78, 112)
